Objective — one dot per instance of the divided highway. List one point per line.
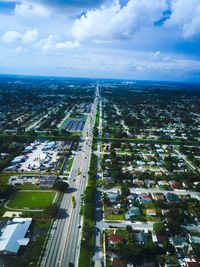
(63, 245)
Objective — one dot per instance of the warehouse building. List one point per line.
(13, 235)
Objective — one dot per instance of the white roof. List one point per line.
(42, 156)
(19, 157)
(12, 236)
(28, 147)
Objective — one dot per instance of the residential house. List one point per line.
(158, 196)
(150, 183)
(175, 184)
(114, 239)
(158, 174)
(163, 183)
(151, 212)
(113, 211)
(144, 198)
(170, 197)
(112, 197)
(141, 237)
(192, 263)
(194, 239)
(179, 241)
(138, 183)
(132, 212)
(131, 197)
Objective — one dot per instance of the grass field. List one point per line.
(69, 165)
(114, 217)
(31, 200)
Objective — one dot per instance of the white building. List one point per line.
(13, 235)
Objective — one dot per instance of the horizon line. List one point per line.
(95, 78)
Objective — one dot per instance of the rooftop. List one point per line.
(12, 236)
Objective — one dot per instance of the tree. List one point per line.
(31, 132)
(60, 185)
(125, 190)
(168, 247)
(129, 229)
(6, 191)
(159, 228)
(52, 210)
(169, 166)
(196, 249)
(55, 132)
(87, 233)
(198, 187)
(63, 131)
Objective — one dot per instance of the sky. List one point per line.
(123, 39)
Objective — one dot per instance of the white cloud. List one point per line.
(30, 36)
(164, 64)
(30, 9)
(115, 21)
(67, 45)
(52, 44)
(11, 37)
(20, 49)
(186, 15)
(14, 36)
(10, 1)
(157, 54)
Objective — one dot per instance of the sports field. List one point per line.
(31, 200)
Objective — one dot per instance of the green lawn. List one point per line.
(31, 200)
(69, 165)
(114, 217)
(122, 232)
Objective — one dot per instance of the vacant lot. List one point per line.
(31, 200)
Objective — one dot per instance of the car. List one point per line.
(78, 226)
(74, 180)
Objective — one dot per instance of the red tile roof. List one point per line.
(115, 238)
(192, 264)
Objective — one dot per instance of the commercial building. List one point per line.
(13, 235)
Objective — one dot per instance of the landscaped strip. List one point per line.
(87, 242)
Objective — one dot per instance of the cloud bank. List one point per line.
(121, 38)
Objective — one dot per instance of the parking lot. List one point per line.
(38, 157)
(43, 157)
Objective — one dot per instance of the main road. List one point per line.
(63, 245)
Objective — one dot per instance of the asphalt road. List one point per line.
(63, 246)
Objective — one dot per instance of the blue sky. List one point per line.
(128, 39)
